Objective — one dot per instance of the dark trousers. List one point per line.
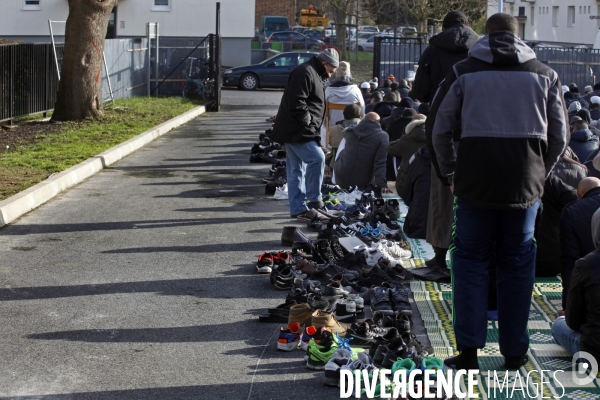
(474, 232)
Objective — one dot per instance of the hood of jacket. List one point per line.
(502, 48)
(413, 125)
(347, 123)
(456, 39)
(365, 129)
(339, 93)
(584, 135)
(596, 229)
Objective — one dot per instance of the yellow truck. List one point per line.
(311, 17)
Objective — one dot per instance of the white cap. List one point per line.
(565, 89)
(588, 88)
(595, 100)
(365, 85)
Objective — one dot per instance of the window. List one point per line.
(32, 5)
(521, 11)
(532, 15)
(161, 5)
(304, 58)
(571, 16)
(555, 16)
(589, 9)
(284, 61)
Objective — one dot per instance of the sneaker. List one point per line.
(315, 337)
(291, 234)
(396, 350)
(345, 311)
(364, 334)
(281, 172)
(322, 319)
(385, 339)
(396, 251)
(281, 193)
(337, 249)
(380, 301)
(289, 338)
(340, 358)
(405, 364)
(400, 299)
(318, 356)
(432, 363)
(335, 289)
(373, 255)
(301, 313)
(284, 279)
(324, 252)
(403, 323)
(264, 263)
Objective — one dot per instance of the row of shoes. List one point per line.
(266, 150)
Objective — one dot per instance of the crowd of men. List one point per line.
(507, 184)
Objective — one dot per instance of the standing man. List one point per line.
(298, 125)
(507, 148)
(445, 49)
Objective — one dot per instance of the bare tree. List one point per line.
(80, 90)
(342, 10)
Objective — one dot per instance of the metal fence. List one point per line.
(580, 66)
(28, 79)
(398, 56)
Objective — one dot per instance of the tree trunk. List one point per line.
(80, 88)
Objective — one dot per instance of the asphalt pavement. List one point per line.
(139, 283)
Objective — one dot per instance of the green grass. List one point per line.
(76, 142)
(362, 70)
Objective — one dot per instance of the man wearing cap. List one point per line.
(298, 125)
(595, 108)
(365, 89)
(595, 92)
(445, 49)
(577, 97)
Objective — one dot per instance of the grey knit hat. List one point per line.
(330, 56)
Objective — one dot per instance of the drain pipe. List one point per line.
(500, 6)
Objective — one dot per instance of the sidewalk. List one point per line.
(139, 282)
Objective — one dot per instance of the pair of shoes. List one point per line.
(289, 339)
(318, 354)
(391, 301)
(266, 261)
(271, 187)
(263, 158)
(281, 172)
(364, 334)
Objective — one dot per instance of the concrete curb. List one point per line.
(25, 201)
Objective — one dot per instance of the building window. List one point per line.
(555, 16)
(532, 15)
(571, 16)
(589, 9)
(161, 5)
(32, 5)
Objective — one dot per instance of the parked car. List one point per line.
(270, 24)
(367, 44)
(271, 73)
(314, 34)
(368, 28)
(351, 42)
(300, 29)
(298, 40)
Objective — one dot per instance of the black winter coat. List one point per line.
(416, 195)
(583, 310)
(302, 107)
(384, 109)
(560, 189)
(575, 226)
(445, 49)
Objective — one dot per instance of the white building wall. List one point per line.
(539, 24)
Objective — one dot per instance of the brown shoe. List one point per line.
(327, 320)
(301, 313)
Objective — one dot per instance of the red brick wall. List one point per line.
(286, 8)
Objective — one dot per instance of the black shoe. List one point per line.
(269, 158)
(337, 249)
(257, 149)
(256, 158)
(380, 301)
(465, 360)
(284, 278)
(403, 324)
(292, 234)
(283, 308)
(381, 339)
(280, 173)
(315, 225)
(515, 362)
(324, 252)
(396, 349)
(399, 297)
(392, 209)
(350, 262)
(364, 335)
(345, 311)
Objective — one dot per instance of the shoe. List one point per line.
(306, 267)
(373, 255)
(310, 215)
(315, 225)
(289, 338)
(380, 301)
(397, 252)
(264, 263)
(377, 277)
(280, 173)
(282, 258)
(340, 358)
(335, 289)
(345, 311)
(292, 234)
(384, 339)
(284, 278)
(281, 193)
(433, 364)
(403, 323)
(466, 360)
(364, 334)
(256, 158)
(405, 364)
(310, 332)
(283, 308)
(319, 357)
(360, 307)
(392, 209)
(396, 350)
(337, 249)
(396, 271)
(399, 297)
(301, 313)
(324, 252)
(515, 362)
(257, 149)
(322, 319)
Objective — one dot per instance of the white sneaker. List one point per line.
(373, 255)
(396, 251)
(281, 193)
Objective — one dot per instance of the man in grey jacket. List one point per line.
(508, 145)
(363, 159)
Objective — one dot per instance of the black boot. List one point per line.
(467, 359)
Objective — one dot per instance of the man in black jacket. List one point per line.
(445, 49)
(496, 200)
(581, 328)
(575, 230)
(298, 125)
